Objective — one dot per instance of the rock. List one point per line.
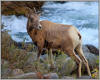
(68, 66)
(92, 58)
(17, 72)
(85, 49)
(31, 75)
(85, 77)
(32, 57)
(93, 49)
(19, 8)
(43, 57)
(51, 76)
(67, 77)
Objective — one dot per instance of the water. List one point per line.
(83, 15)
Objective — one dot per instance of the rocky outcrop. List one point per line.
(93, 49)
(34, 75)
(18, 7)
(51, 76)
(85, 77)
(92, 58)
(31, 75)
(68, 66)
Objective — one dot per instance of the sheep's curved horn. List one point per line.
(29, 9)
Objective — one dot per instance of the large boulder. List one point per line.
(92, 58)
(68, 66)
(32, 57)
(67, 77)
(51, 76)
(34, 75)
(93, 49)
(31, 75)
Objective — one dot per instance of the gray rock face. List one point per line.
(89, 56)
(32, 58)
(68, 66)
(31, 75)
(93, 49)
(51, 76)
(85, 77)
(85, 49)
(67, 77)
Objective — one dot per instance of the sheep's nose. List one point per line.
(40, 27)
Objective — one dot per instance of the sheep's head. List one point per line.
(33, 20)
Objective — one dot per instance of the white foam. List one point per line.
(90, 36)
(15, 24)
(87, 6)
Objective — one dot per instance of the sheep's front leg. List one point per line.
(47, 56)
(51, 58)
(40, 48)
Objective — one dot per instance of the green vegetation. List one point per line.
(25, 58)
(18, 58)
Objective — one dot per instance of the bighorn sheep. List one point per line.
(57, 36)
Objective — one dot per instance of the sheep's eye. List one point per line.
(31, 19)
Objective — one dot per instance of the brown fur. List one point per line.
(57, 36)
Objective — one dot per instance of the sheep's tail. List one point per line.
(79, 36)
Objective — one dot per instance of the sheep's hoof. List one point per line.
(52, 67)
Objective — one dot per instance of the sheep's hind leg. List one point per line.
(47, 57)
(72, 54)
(38, 56)
(81, 55)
